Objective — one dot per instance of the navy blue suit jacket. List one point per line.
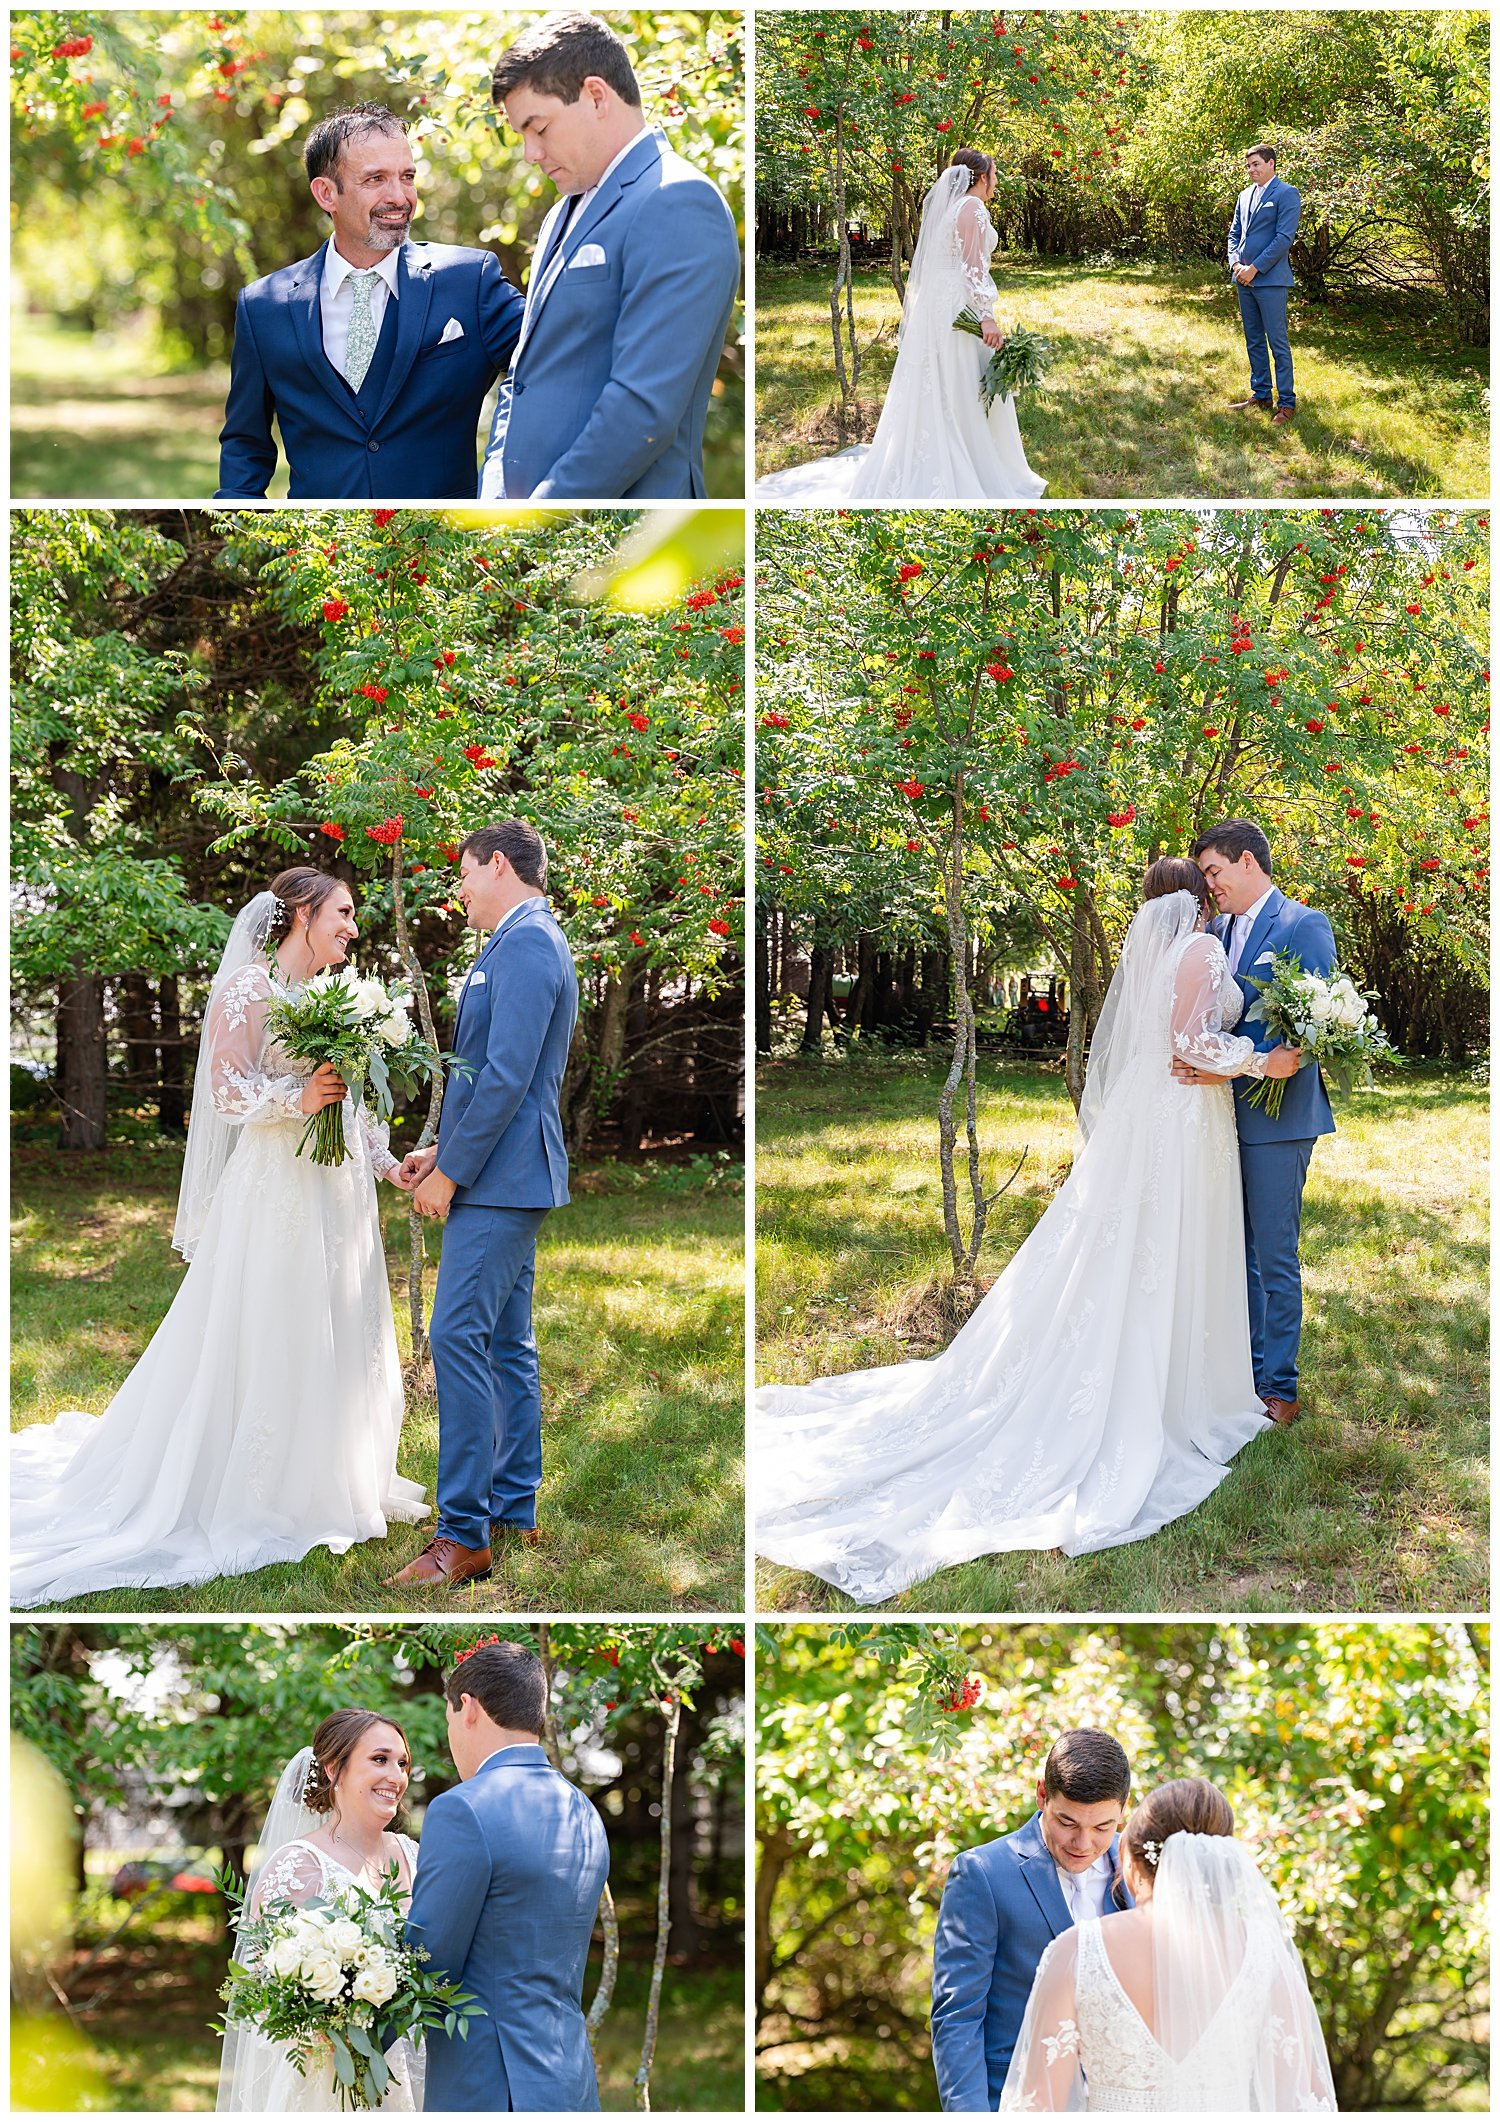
(509, 1875)
(1002, 1907)
(500, 1138)
(1262, 239)
(1281, 925)
(609, 389)
(416, 440)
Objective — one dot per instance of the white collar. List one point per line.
(1248, 916)
(336, 269)
(581, 199)
(506, 916)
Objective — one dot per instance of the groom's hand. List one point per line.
(433, 1195)
(415, 1166)
(1283, 1060)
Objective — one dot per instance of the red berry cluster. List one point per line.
(965, 1697)
(479, 1643)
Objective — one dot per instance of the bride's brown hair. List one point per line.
(978, 165)
(1190, 1806)
(1175, 873)
(301, 886)
(332, 1743)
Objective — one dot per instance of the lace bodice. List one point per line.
(301, 1871)
(1205, 999)
(256, 1082)
(974, 241)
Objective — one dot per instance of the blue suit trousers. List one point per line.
(1263, 314)
(489, 1386)
(1272, 1176)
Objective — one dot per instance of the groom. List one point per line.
(1261, 234)
(1005, 1902)
(631, 288)
(373, 356)
(498, 1165)
(512, 1865)
(1258, 923)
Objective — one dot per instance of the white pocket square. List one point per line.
(587, 254)
(476, 979)
(1264, 958)
(451, 330)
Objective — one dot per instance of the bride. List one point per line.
(263, 1418)
(329, 1825)
(935, 441)
(1105, 1381)
(1194, 2001)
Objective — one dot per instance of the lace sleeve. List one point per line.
(974, 256)
(377, 1140)
(1198, 1014)
(1045, 2075)
(294, 1874)
(243, 1093)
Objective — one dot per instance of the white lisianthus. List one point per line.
(376, 1981)
(395, 1029)
(345, 1938)
(322, 1977)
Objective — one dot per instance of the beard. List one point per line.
(388, 235)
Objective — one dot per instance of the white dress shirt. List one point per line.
(1087, 1893)
(336, 300)
(1243, 923)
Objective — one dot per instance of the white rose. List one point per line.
(376, 1982)
(322, 1977)
(345, 1938)
(369, 999)
(308, 1926)
(283, 1958)
(1320, 1008)
(1350, 1011)
(395, 1029)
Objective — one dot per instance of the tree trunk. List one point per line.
(171, 1107)
(416, 1258)
(819, 975)
(663, 1908)
(81, 1059)
(135, 1016)
(607, 1917)
(763, 920)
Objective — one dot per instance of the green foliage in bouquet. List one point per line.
(337, 1969)
(1019, 364)
(1327, 1018)
(365, 1030)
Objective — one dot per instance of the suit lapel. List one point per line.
(1039, 1870)
(1263, 920)
(414, 299)
(608, 196)
(307, 323)
(522, 914)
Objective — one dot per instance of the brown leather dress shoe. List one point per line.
(1245, 405)
(528, 1535)
(1282, 1412)
(1283, 414)
(444, 1561)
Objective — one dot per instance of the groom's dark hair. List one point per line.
(1087, 1766)
(508, 1683)
(520, 843)
(1266, 154)
(560, 54)
(1235, 837)
(331, 135)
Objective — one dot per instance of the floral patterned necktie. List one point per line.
(360, 351)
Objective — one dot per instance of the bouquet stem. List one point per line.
(326, 1127)
(1268, 1094)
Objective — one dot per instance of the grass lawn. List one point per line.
(1148, 359)
(148, 2049)
(640, 1323)
(1376, 1500)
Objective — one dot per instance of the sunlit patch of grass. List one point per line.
(1376, 1500)
(1149, 358)
(640, 1325)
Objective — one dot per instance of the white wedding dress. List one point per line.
(935, 441)
(263, 1418)
(256, 2075)
(1229, 2024)
(1103, 1384)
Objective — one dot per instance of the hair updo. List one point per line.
(293, 888)
(333, 1742)
(977, 164)
(1175, 873)
(1190, 1806)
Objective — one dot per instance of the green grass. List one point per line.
(640, 1325)
(149, 2048)
(1148, 359)
(1376, 1500)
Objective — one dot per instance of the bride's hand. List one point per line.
(325, 1086)
(991, 332)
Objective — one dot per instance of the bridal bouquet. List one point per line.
(1021, 364)
(1328, 1018)
(335, 1976)
(365, 1029)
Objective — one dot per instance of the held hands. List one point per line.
(325, 1086)
(432, 1195)
(415, 1166)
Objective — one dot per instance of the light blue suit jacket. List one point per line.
(509, 1875)
(500, 1139)
(1263, 239)
(608, 390)
(1002, 1907)
(1281, 925)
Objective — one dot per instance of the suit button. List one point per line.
(373, 447)
(516, 389)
